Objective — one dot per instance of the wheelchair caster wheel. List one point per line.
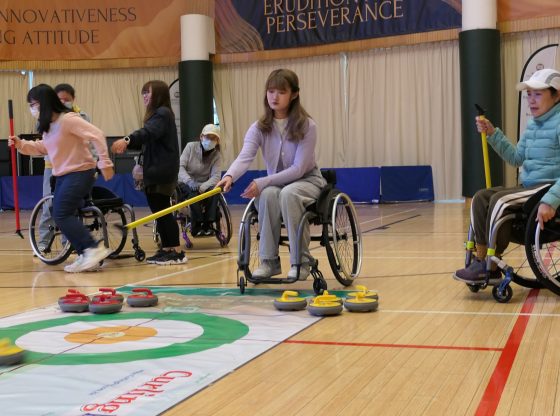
(473, 288)
(319, 286)
(222, 240)
(242, 285)
(502, 297)
(140, 255)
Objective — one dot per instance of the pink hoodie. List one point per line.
(67, 145)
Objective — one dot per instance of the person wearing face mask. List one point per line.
(66, 138)
(200, 168)
(66, 94)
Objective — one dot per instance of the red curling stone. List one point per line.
(142, 298)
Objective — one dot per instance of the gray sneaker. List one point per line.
(267, 269)
(303, 272)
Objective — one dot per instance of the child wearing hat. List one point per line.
(199, 171)
(537, 152)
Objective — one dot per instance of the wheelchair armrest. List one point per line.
(329, 175)
(535, 199)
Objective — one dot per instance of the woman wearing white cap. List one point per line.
(537, 152)
(200, 168)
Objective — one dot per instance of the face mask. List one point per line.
(35, 111)
(208, 144)
(69, 105)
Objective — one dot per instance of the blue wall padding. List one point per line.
(30, 190)
(406, 183)
(360, 184)
(366, 185)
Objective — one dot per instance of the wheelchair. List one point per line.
(222, 228)
(101, 208)
(334, 214)
(534, 259)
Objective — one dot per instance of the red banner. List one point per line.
(90, 29)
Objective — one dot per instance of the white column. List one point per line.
(197, 37)
(479, 14)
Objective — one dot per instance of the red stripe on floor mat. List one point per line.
(365, 344)
(493, 392)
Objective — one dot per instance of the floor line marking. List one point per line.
(527, 314)
(493, 393)
(379, 345)
(382, 217)
(183, 271)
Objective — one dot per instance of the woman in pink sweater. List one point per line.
(66, 138)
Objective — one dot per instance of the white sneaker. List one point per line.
(267, 269)
(303, 272)
(92, 256)
(75, 266)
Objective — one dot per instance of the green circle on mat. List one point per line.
(217, 331)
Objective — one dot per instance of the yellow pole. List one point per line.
(172, 208)
(486, 160)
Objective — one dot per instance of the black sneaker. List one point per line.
(153, 259)
(171, 257)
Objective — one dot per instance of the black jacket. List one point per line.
(158, 139)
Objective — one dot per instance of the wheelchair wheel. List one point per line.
(344, 250)
(543, 251)
(115, 236)
(223, 225)
(248, 252)
(57, 248)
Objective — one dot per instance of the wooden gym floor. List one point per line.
(432, 348)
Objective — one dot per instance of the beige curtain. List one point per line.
(13, 86)
(405, 110)
(110, 97)
(239, 91)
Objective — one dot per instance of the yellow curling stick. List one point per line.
(169, 210)
(481, 112)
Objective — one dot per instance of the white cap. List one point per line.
(541, 80)
(211, 129)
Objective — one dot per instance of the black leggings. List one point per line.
(166, 226)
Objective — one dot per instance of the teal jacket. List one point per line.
(537, 153)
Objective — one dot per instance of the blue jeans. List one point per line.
(69, 194)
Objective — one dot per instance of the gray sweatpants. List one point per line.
(288, 203)
(489, 205)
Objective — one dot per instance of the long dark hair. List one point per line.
(49, 104)
(284, 79)
(160, 97)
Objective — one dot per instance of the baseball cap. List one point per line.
(541, 80)
(211, 129)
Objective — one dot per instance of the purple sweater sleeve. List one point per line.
(297, 157)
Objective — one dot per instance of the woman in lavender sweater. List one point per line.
(286, 135)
